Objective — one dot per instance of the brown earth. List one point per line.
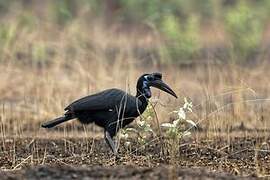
(119, 172)
(81, 158)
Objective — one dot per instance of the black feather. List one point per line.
(54, 122)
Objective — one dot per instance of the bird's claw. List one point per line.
(113, 145)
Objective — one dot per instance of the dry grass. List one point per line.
(43, 70)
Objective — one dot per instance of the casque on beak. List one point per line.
(162, 86)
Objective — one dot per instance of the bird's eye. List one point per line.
(149, 78)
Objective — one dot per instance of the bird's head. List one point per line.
(152, 80)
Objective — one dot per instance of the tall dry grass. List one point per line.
(45, 68)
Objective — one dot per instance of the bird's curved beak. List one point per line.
(162, 86)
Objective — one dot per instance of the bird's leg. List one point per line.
(110, 142)
(116, 142)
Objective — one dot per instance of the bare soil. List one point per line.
(81, 158)
(119, 172)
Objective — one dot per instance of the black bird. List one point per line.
(113, 109)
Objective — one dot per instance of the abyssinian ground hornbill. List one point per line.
(113, 109)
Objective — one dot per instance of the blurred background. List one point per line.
(215, 52)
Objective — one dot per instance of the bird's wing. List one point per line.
(104, 100)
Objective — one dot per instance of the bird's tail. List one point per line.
(55, 122)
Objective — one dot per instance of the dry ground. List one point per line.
(120, 172)
(77, 158)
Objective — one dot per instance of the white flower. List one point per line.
(149, 118)
(127, 144)
(167, 125)
(191, 122)
(131, 130)
(148, 128)
(140, 123)
(124, 135)
(176, 122)
(186, 133)
(181, 113)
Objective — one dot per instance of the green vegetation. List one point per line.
(245, 27)
(182, 41)
(174, 131)
(142, 131)
(63, 11)
(180, 25)
(178, 129)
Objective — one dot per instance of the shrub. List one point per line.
(142, 130)
(63, 11)
(179, 128)
(7, 38)
(182, 39)
(245, 28)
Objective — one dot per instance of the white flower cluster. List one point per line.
(175, 129)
